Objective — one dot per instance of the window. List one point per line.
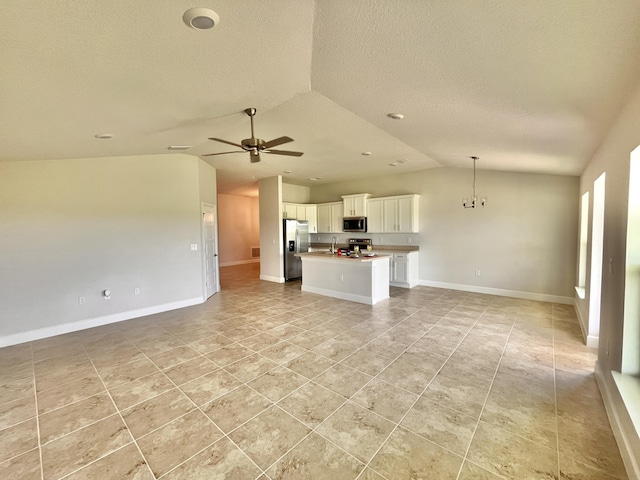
(597, 245)
(631, 332)
(628, 381)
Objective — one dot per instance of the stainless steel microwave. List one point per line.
(354, 224)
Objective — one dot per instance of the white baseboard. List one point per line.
(593, 341)
(269, 278)
(342, 295)
(542, 297)
(629, 457)
(54, 330)
(583, 328)
(590, 340)
(240, 262)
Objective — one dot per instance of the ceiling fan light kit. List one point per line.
(256, 146)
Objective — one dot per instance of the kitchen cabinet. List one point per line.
(403, 270)
(408, 213)
(355, 205)
(290, 211)
(375, 215)
(330, 217)
(311, 216)
(397, 214)
(302, 211)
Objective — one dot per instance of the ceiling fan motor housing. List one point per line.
(249, 143)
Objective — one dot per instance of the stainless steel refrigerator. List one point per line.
(296, 240)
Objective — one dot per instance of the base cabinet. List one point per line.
(403, 269)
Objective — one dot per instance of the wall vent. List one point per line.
(255, 252)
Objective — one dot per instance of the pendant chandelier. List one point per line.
(473, 201)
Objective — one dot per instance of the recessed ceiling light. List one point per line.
(178, 147)
(366, 154)
(395, 116)
(201, 18)
(104, 136)
(315, 179)
(394, 164)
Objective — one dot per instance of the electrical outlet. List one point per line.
(136, 291)
(341, 278)
(381, 240)
(82, 300)
(409, 239)
(477, 272)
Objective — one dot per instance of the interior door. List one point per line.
(210, 232)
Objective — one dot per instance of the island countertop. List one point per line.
(342, 258)
(379, 247)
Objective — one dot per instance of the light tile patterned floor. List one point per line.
(264, 381)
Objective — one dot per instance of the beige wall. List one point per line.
(524, 240)
(238, 227)
(295, 193)
(613, 158)
(73, 228)
(271, 250)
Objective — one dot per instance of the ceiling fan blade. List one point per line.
(285, 152)
(221, 153)
(275, 142)
(227, 142)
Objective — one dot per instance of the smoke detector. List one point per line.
(201, 18)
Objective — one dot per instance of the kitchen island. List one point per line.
(363, 279)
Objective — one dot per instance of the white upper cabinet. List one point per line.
(374, 215)
(302, 211)
(336, 218)
(355, 205)
(311, 216)
(289, 211)
(390, 214)
(330, 217)
(408, 214)
(393, 214)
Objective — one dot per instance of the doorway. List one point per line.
(210, 242)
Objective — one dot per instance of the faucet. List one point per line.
(333, 245)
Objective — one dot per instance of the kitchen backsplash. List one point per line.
(378, 239)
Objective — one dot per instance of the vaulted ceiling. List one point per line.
(526, 86)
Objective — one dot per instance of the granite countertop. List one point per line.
(376, 248)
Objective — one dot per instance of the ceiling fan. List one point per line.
(255, 146)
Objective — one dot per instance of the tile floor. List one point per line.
(266, 382)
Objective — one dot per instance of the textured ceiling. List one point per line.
(526, 86)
